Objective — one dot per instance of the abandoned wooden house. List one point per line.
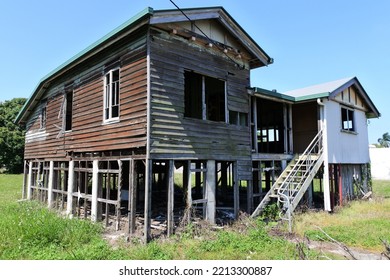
(158, 120)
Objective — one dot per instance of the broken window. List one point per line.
(238, 118)
(347, 121)
(204, 97)
(111, 95)
(43, 117)
(68, 111)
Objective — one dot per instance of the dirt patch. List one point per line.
(329, 248)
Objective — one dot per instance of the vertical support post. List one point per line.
(119, 196)
(29, 180)
(108, 187)
(170, 220)
(132, 206)
(340, 185)
(327, 206)
(210, 191)
(332, 175)
(99, 195)
(249, 196)
(95, 186)
(148, 199)
(50, 185)
(255, 145)
(290, 129)
(69, 205)
(310, 195)
(285, 130)
(25, 180)
(236, 190)
(189, 189)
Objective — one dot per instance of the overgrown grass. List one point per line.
(29, 230)
(360, 224)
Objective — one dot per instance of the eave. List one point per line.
(261, 58)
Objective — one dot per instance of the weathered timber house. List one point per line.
(158, 120)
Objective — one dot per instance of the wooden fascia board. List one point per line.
(244, 39)
(274, 98)
(224, 18)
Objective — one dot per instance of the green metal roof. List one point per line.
(273, 94)
(328, 90)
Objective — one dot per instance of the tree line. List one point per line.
(11, 136)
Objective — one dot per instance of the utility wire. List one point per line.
(204, 34)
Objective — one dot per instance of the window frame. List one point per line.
(204, 106)
(108, 96)
(348, 124)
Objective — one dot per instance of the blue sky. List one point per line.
(311, 41)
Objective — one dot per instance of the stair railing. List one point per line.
(298, 175)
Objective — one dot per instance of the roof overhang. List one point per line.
(373, 112)
(261, 58)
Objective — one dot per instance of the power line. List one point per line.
(205, 35)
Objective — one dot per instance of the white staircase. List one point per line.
(291, 185)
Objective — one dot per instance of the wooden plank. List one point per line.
(132, 195)
(210, 191)
(69, 208)
(236, 190)
(148, 200)
(118, 202)
(188, 186)
(50, 185)
(94, 205)
(170, 219)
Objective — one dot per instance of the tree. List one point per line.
(384, 142)
(11, 136)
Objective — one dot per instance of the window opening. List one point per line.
(68, 111)
(204, 97)
(347, 122)
(111, 95)
(43, 118)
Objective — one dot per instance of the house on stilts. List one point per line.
(158, 119)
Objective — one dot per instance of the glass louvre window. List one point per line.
(111, 95)
(347, 122)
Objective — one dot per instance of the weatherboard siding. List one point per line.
(89, 133)
(171, 134)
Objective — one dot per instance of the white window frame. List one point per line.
(107, 96)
